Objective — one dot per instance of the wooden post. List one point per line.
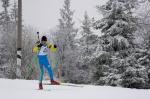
(19, 38)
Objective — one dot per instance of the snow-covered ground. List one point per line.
(24, 89)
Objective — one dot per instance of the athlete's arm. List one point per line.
(36, 48)
(52, 47)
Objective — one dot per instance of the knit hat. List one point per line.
(44, 38)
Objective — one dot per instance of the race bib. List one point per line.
(43, 50)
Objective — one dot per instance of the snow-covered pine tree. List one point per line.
(68, 23)
(87, 46)
(65, 40)
(3, 24)
(4, 15)
(86, 33)
(142, 38)
(118, 26)
(88, 38)
(13, 13)
(8, 39)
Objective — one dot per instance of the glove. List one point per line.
(55, 46)
(38, 42)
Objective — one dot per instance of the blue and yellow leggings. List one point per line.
(43, 62)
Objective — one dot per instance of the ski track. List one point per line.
(28, 89)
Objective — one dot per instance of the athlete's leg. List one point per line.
(50, 72)
(41, 68)
(41, 73)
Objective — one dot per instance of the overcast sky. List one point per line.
(44, 14)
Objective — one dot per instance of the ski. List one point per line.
(63, 84)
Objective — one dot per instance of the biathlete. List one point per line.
(41, 48)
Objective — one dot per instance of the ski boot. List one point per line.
(40, 86)
(53, 82)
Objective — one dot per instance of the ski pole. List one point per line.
(38, 36)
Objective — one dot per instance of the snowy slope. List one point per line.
(23, 89)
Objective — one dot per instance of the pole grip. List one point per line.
(38, 36)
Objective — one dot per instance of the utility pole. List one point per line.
(19, 38)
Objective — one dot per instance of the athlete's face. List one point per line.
(43, 42)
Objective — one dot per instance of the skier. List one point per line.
(42, 49)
